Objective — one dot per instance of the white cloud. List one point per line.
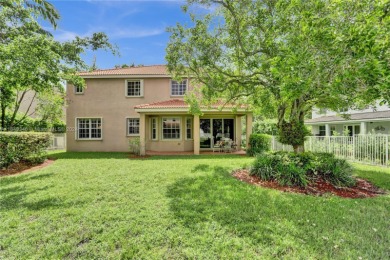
(123, 33)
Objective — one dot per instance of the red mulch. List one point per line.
(23, 167)
(362, 189)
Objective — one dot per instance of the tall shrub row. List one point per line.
(23, 146)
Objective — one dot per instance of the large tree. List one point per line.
(32, 60)
(285, 57)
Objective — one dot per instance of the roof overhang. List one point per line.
(186, 110)
(143, 76)
(348, 121)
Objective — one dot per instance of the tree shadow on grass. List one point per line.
(15, 179)
(270, 219)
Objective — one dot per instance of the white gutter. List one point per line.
(348, 121)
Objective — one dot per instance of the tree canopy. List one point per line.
(285, 57)
(32, 60)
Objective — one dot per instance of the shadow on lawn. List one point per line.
(18, 196)
(272, 219)
(89, 155)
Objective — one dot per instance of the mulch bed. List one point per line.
(23, 167)
(363, 188)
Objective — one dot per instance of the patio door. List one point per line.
(205, 133)
(215, 129)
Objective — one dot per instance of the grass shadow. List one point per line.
(286, 224)
(89, 155)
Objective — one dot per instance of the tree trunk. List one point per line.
(299, 148)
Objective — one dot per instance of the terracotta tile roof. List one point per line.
(359, 116)
(180, 103)
(144, 70)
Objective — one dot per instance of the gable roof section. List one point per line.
(153, 70)
(380, 115)
(182, 105)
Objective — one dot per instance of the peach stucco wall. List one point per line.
(106, 98)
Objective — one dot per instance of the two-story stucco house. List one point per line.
(144, 102)
(370, 120)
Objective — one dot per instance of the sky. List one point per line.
(138, 28)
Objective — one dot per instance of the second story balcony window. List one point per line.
(134, 88)
(178, 88)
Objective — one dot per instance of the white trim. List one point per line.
(77, 93)
(141, 86)
(127, 126)
(347, 121)
(170, 88)
(88, 139)
(180, 129)
(151, 128)
(192, 128)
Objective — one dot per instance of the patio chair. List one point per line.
(228, 147)
(218, 146)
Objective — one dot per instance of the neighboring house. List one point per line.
(119, 104)
(371, 120)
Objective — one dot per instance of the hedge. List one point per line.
(258, 143)
(292, 169)
(23, 146)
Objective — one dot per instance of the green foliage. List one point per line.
(32, 60)
(265, 126)
(16, 147)
(285, 57)
(292, 133)
(258, 143)
(299, 169)
(135, 145)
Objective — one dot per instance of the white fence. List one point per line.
(58, 142)
(369, 149)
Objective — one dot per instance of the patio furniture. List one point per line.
(228, 147)
(218, 146)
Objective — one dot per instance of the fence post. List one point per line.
(387, 149)
(353, 148)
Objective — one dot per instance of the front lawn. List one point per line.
(103, 205)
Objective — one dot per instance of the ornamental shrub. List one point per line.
(258, 143)
(293, 169)
(23, 146)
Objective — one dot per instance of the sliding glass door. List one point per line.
(215, 129)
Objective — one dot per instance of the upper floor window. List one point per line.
(133, 126)
(89, 128)
(178, 88)
(134, 88)
(78, 90)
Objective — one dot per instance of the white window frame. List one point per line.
(155, 119)
(90, 129)
(76, 92)
(319, 130)
(345, 127)
(141, 81)
(128, 126)
(162, 128)
(192, 128)
(172, 95)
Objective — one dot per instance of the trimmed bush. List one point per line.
(135, 145)
(299, 169)
(23, 146)
(258, 143)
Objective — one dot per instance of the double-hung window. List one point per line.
(188, 128)
(133, 126)
(89, 128)
(134, 88)
(178, 88)
(171, 128)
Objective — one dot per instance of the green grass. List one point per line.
(103, 205)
